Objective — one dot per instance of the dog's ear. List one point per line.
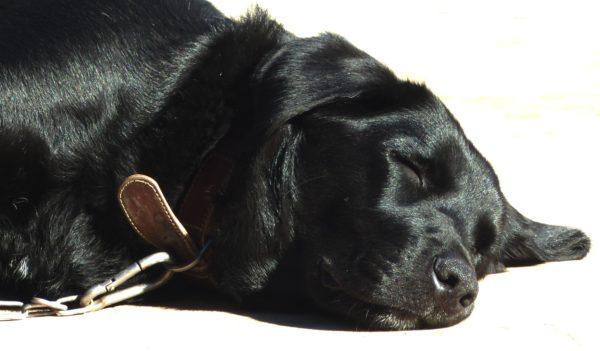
(307, 73)
(529, 242)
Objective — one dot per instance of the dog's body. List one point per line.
(341, 164)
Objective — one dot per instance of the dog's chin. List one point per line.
(375, 316)
(362, 314)
(372, 316)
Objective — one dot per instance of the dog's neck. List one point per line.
(197, 205)
(236, 192)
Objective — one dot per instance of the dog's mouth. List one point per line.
(339, 298)
(335, 297)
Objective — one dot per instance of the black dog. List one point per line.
(351, 187)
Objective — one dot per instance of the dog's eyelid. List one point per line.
(411, 165)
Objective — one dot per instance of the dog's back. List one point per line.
(81, 83)
(66, 63)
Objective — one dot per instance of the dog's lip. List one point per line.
(332, 282)
(396, 315)
(329, 281)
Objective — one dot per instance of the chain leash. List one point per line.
(101, 295)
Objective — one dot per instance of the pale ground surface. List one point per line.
(523, 78)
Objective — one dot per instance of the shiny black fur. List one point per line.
(351, 181)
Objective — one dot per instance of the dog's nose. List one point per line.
(455, 281)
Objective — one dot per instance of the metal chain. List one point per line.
(101, 295)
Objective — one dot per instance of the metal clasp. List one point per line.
(101, 295)
(94, 299)
(105, 294)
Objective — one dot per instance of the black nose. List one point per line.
(455, 281)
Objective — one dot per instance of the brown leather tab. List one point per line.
(149, 214)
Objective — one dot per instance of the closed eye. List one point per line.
(411, 170)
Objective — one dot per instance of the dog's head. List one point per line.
(393, 211)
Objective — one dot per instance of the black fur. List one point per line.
(351, 182)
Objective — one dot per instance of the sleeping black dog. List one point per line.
(350, 187)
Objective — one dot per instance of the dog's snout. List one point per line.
(455, 282)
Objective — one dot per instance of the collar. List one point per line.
(186, 234)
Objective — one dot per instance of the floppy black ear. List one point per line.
(306, 73)
(530, 242)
